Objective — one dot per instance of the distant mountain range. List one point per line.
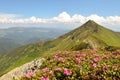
(14, 37)
(90, 35)
(7, 45)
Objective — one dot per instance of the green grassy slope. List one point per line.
(21, 55)
(7, 45)
(118, 33)
(89, 35)
(11, 38)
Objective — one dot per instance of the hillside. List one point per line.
(86, 64)
(118, 33)
(21, 71)
(89, 35)
(12, 38)
(7, 45)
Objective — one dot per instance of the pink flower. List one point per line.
(27, 75)
(95, 54)
(61, 59)
(44, 78)
(51, 60)
(67, 72)
(106, 56)
(83, 54)
(118, 52)
(115, 65)
(77, 60)
(58, 69)
(114, 56)
(45, 70)
(105, 67)
(96, 59)
(51, 72)
(56, 56)
(94, 65)
(31, 73)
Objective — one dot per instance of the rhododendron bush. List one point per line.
(79, 65)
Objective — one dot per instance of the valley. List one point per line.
(11, 38)
(88, 36)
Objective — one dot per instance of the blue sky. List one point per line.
(50, 8)
(59, 12)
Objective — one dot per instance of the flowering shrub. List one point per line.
(29, 75)
(67, 72)
(79, 65)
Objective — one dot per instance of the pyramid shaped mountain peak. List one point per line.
(90, 24)
(90, 21)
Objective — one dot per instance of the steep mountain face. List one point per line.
(89, 35)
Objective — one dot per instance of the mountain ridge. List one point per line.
(92, 30)
(89, 35)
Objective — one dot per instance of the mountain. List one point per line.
(7, 45)
(118, 33)
(89, 35)
(92, 35)
(12, 38)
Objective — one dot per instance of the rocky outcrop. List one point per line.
(22, 70)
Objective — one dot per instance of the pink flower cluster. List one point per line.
(95, 65)
(43, 78)
(97, 59)
(115, 65)
(28, 75)
(78, 60)
(58, 69)
(45, 70)
(83, 54)
(105, 67)
(51, 72)
(61, 59)
(67, 72)
(51, 60)
(115, 56)
(56, 56)
(106, 56)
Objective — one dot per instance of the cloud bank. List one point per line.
(62, 20)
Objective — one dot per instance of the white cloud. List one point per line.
(7, 16)
(78, 19)
(63, 18)
(97, 18)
